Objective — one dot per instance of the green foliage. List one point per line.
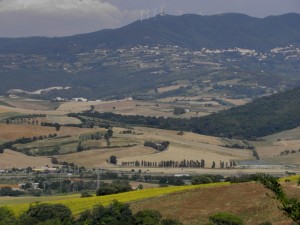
(85, 194)
(6, 216)
(259, 118)
(8, 191)
(53, 222)
(224, 218)
(44, 212)
(156, 145)
(170, 222)
(147, 217)
(178, 111)
(35, 193)
(206, 179)
(79, 147)
(201, 179)
(113, 159)
(241, 179)
(290, 206)
(178, 181)
(113, 188)
(115, 214)
(108, 134)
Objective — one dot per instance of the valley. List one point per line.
(74, 142)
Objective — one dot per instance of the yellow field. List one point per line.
(78, 205)
(291, 178)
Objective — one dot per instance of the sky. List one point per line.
(24, 18)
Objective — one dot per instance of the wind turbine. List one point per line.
(142, 14)
(154, 13)
(162, 9)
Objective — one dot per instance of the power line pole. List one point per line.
(98, 176)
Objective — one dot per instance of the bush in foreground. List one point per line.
(225, 218)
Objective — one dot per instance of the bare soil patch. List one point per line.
(12, 132)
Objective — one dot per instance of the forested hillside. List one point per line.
(259, 118)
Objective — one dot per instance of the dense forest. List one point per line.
(263, 116)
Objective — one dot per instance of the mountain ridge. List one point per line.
(190, 31)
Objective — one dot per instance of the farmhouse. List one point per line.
(79, 99)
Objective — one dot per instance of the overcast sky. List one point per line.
(21, 18)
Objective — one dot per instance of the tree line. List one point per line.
(23, 140)
(179, 164)
(22, 119)
(116, 213)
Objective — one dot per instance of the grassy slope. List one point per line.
(247, 200)
(78, 205)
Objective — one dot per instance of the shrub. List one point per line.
(113, 188)
(113, 159)
(44, 212)
(35, 192)
(224, 218)
(6, 216)
(85, 194)
(147, 217)
(178, 111)
(8, 191)
(170, 222)
(115, 214)
(201, 179)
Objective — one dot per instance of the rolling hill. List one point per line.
(261, 117)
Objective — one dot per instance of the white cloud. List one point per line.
(56, 6)
(58, 17)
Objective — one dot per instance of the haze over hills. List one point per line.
(190, 31)
(137, 59)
